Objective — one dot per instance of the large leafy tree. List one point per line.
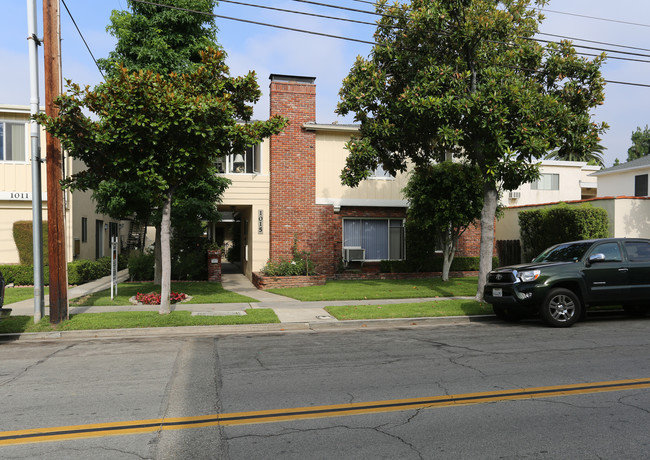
(162, 132)
(444, 200)
(466, 77)
(640, 144)
(164, 38)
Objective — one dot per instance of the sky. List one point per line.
(268, 50)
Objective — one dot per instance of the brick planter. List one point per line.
(270, 282)
(214, 265)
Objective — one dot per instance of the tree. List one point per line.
(593, 157)
(444, 200)
(466, 77)
(159, 38)
(161, 132)
(163, 38)
(640, 144)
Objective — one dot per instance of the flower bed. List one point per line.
(153, 298)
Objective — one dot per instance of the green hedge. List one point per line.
(542, 228)
(23, 238)
(79, 271)
(459, 264)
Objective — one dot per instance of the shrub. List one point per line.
(141, 266)
(542, 228)
(459, 264)
(286, 267)
(190, 265)
(23, 238)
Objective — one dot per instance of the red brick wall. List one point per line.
(293, 212)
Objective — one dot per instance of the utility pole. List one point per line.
(54, 155)
(35, 135)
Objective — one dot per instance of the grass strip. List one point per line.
(383, 289)
(435, 308)
(201, 292)
(133, 319)
(16, 294)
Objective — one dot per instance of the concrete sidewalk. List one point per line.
(294, 315)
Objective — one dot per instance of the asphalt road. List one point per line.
(519, 391)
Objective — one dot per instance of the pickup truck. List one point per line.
(566, 279)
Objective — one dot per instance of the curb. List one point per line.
(224, 330)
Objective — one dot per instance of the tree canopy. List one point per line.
(163, 39)
(162, 132)
(444, 200)
(466, 77)
(640, 144)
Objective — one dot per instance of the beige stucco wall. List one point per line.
(17, 177)
(249, 194)
(330, 160)
(619, 183)
(628, 218)
(572, 175)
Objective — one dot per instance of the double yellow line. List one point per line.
(339, 410)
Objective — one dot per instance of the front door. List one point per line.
(607, 280)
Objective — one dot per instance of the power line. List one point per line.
(595, 18)
(309, 32)
(592, 41)
(82, 37)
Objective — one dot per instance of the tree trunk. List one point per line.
(448, 252)
(165, 230)
(488, 214)
(157, 271)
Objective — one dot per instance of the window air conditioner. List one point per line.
(354, 253)
(514, 194)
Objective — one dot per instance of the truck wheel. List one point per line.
(506, 314)
(561, 308)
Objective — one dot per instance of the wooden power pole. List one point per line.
(54, 156)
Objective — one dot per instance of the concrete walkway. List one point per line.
(294, 315)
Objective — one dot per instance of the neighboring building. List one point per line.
(87, 233)
(288, 191)
(622, 191)
(559, 181)
(627, 179)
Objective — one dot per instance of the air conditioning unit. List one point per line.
(354, 253)
(514, 194)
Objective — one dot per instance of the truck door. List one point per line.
(607, 279)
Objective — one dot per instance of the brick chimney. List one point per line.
(292, 165)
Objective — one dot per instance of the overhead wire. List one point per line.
(339, 37)
(82, 38)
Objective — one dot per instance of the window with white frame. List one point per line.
(248, 162)
(547, 181)
(13, 141)
(382, 239)
(380, 173)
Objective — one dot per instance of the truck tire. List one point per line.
(561, 308)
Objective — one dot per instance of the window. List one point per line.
(84, 229)
(382, 239)
(638, 251)
(641, 185)
(547, 182)
(13, 141)
(380, 173)
(250, 162)
(611, 251)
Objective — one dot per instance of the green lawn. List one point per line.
(201, 292)
(383, 289)
(411, 310)
(16, 294)
(131, 319)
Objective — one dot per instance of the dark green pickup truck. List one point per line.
(566, 279)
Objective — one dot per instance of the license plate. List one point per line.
(497, 292)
